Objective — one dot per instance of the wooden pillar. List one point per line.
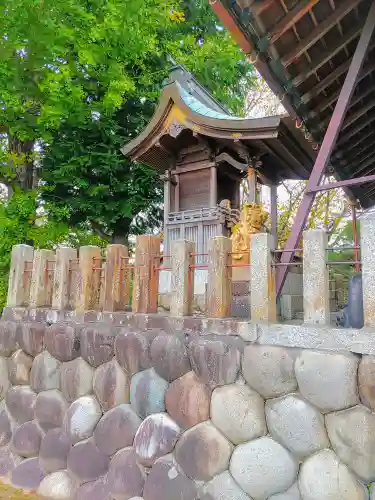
(219, 282)
(19, 281)
(252, 185)
(62, 283)
(213, 187)
(274, 215)
(88, 279)
(145, 290)
(177, 193)
(182, 277)
(116, 292)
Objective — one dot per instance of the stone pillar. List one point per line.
(219, 282)
(315, 277)
(213, 187)
(42, 278)
(62, 289)
(117, 280)
(368, 269)
(182, 278)
(19, 283)
(89, 280)
(262, 279)
(145, 287)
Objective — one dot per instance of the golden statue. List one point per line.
(252, 219)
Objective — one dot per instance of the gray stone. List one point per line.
(50, 409)
(31, 338)
(147, 392)
(76, 379)
(366, 381)
(324, 477)
(156, 437)
(297, 425)
(238, 412)
(45, 374)
(57, 486)
(214, 362)
(95, 490)
(97, 344)
(54, 450)
(352, 434)
(111, 385)
(263, 467)
(166, 481)
(222, 487)
(26, 440)
(169, 357)
(116, 429)
(87, 463)
(328, 380)
(291, 494)
(62, 341)
(8, 337)
(269, 370)
(4, 379)
(27, 475)
(5, 425)
(19, 366)
(126, 476)
(81, 418)
(8, 461)
(203, 452)
(20, 401)
(132, 351)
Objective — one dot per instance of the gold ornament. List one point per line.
(252, 219)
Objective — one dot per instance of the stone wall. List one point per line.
(205, 412)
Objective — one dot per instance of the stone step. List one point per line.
(241, 307)
(240, 288)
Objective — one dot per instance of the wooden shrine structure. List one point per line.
(318, 57)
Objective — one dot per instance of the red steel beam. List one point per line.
(328, 144)
(341, 184)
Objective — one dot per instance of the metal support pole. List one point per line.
(328, 144)
(355, 236)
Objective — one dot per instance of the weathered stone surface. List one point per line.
(169, 357)
(26, 440)
(86, 462)
(57, 486)
(20, 401)
(222, 487)
(291, 494)
(238, 412)
(45, 374)
(269, 370)
(116, 429)
(147, 392)
(111, 385)
(132, 351)
(5, 425)
(97, 344)
(156, 437)
(27, 475)
(126, 476)
(352, 434)
(263, 467)
(31, 338)
(214, 362)
(324, 477)
(62, 341)
(328, 380)
(4, 379)
(95, 490)
(187, 400)
(50, 409)
(19, 366)
(166, 481)
(366, 381)
(76, 379)
(54, 450)
(8, 461)
(8, 337)
(81, 418)
(297, 425)
(203, 452)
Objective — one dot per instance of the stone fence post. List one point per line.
(182, 277)
(219, 279)
(62, 283)
(88, 279)
(42, 278)
(262, 279)
(146, 278)
(316, 303)
(116, 293)
(19, 284)
(368, 269)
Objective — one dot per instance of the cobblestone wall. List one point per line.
(117, 413)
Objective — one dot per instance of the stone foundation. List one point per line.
(158, 409)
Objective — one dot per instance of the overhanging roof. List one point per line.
(303, 49)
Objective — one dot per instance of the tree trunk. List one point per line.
(23, 166)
